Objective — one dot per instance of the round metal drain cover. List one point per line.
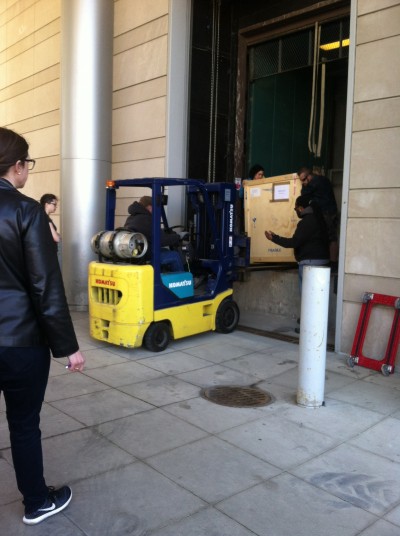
(237, 396)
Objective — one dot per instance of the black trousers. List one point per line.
(24, 374)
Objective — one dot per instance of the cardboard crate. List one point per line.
(269, 206)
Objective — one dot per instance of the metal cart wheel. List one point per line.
(351, 361)
(386, 370)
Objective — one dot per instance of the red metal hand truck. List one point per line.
(385, 365)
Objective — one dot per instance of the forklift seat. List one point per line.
(171, 261)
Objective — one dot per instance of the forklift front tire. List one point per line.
(227, 317)
(157, 337)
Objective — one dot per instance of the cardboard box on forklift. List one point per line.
(269, 205)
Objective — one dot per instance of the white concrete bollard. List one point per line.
(313, 336)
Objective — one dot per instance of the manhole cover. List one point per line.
(237, 396)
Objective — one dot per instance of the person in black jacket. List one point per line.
(140, 220)
(310, 240)
(34, 319)
(319, 189)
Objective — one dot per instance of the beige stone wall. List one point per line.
(30, 43)
(140, 92)
(372, 256)
(30, 85)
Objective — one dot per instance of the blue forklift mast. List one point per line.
(219, 251)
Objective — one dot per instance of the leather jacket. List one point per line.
(33, 306)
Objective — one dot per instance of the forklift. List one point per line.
(141, 294)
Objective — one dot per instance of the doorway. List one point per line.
(297, 100)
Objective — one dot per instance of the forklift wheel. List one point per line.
(227, 317)
(157, 337)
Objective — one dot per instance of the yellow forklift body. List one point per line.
(192, 318)
(120, 302)
(121, 306)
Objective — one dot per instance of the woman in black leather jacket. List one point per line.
(34, 319)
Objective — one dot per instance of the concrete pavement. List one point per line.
(146, 455)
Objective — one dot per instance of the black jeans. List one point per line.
(23, 379)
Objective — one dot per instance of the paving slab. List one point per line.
(392, 381)
(146, 454)
(131, 500)
(218, 351)
(101, 357)
(78, 455)
(370, 396)
(122, 374)
(59, 525)
(162, 391)
(394, 516)
(150, 433)
(208, 522)
(336, 419)
(212, 469)
(381, 528)
(217, 375)
(285, 505)
(54, 422)
(174, 362)
(381, 439)
(279, 441)
(103, 406)
(70, 385)
(212, 418)
(359, 477)
(8, 487)
(333, 380)
(263, 365)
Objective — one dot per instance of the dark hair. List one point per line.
(13, 147)
(145, 201)
(307, 201)
(303, 201)
(255, 169)
(304, 169)
(47, 198)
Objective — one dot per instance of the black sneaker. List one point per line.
(57, 500)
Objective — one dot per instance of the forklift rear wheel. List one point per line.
(227, 317)
(157, 337)
(351, 362)
(386, 369)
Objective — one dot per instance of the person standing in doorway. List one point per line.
(255, 172)
(319, 189)
(34, 320)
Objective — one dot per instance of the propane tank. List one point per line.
(120, 243)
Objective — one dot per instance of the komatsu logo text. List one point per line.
(106, 282)
(184, 283)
